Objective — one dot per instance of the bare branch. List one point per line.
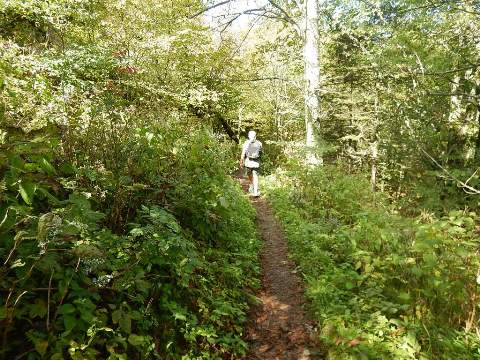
(210, 8)
(467, 188)
(283, 11)
(258, 12)
(229, 22)
(464, 185)
(286, 16)
(453, 94)
(471, 177)
(261, 79)
(421, 7)
(473, 66)
(48, 300)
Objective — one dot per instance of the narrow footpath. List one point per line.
(278, 328)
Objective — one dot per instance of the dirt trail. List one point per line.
(277, 327)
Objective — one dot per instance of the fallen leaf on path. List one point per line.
(354, 342)
(264, 348)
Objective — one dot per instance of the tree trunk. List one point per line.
(477, 116)
(215, 115)
(312, 75)
(476, 80)
(456, 119)
(374, 149)
(373, 176)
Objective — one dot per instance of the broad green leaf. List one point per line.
(116, 316)
(69, 322)
(404, 296)
(47, 167)
(136, 340)
(67, 309)
(27, 191)
(126, 323)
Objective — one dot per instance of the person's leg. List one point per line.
(255, 182)
(250, 180)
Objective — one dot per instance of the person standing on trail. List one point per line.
(250, 158)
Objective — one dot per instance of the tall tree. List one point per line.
(302, 17)
(312, 73)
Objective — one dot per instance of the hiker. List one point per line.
(250, 158)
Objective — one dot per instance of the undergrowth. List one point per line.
(156, 263)
(381, 286)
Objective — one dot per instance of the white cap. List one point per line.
(252, 135)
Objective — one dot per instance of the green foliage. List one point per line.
(121, 235)
(161, 288)
(381, 286)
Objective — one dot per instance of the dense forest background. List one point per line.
(122, 234)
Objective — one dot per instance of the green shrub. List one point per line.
(381, 286)
(170, 282)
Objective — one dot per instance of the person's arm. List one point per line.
(242, 157)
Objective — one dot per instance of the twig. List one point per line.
(24, 353)
(452, 71)
(286, 17)
(210, 8)
(4, 218)
(9, 319)
(465, 186)
(235, 16)
(18, 299)
(17, 240)
(48, 300)
(66, 290)
(261, 79)
(470, 178)
(34, 289)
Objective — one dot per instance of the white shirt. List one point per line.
(249, 163)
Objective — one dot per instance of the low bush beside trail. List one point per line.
(155, 264)
(382, 286)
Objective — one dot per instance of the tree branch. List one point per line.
(453, 94)
(235, 16)
(210, 8)
(473, 66)
(286, 16)
(201, 114)
(229, 22)
(284, 12)
(261, 79)
(467, 11)
(460, 183)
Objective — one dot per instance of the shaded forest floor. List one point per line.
(278, 328)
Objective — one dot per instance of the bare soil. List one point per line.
(278, 328)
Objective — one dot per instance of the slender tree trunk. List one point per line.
(455, 101)
(373, 178)
(476, 80)
(477, 116)
(277, 110)
(453, 119)
(240, 118)
(374, 149)
(312, 75)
